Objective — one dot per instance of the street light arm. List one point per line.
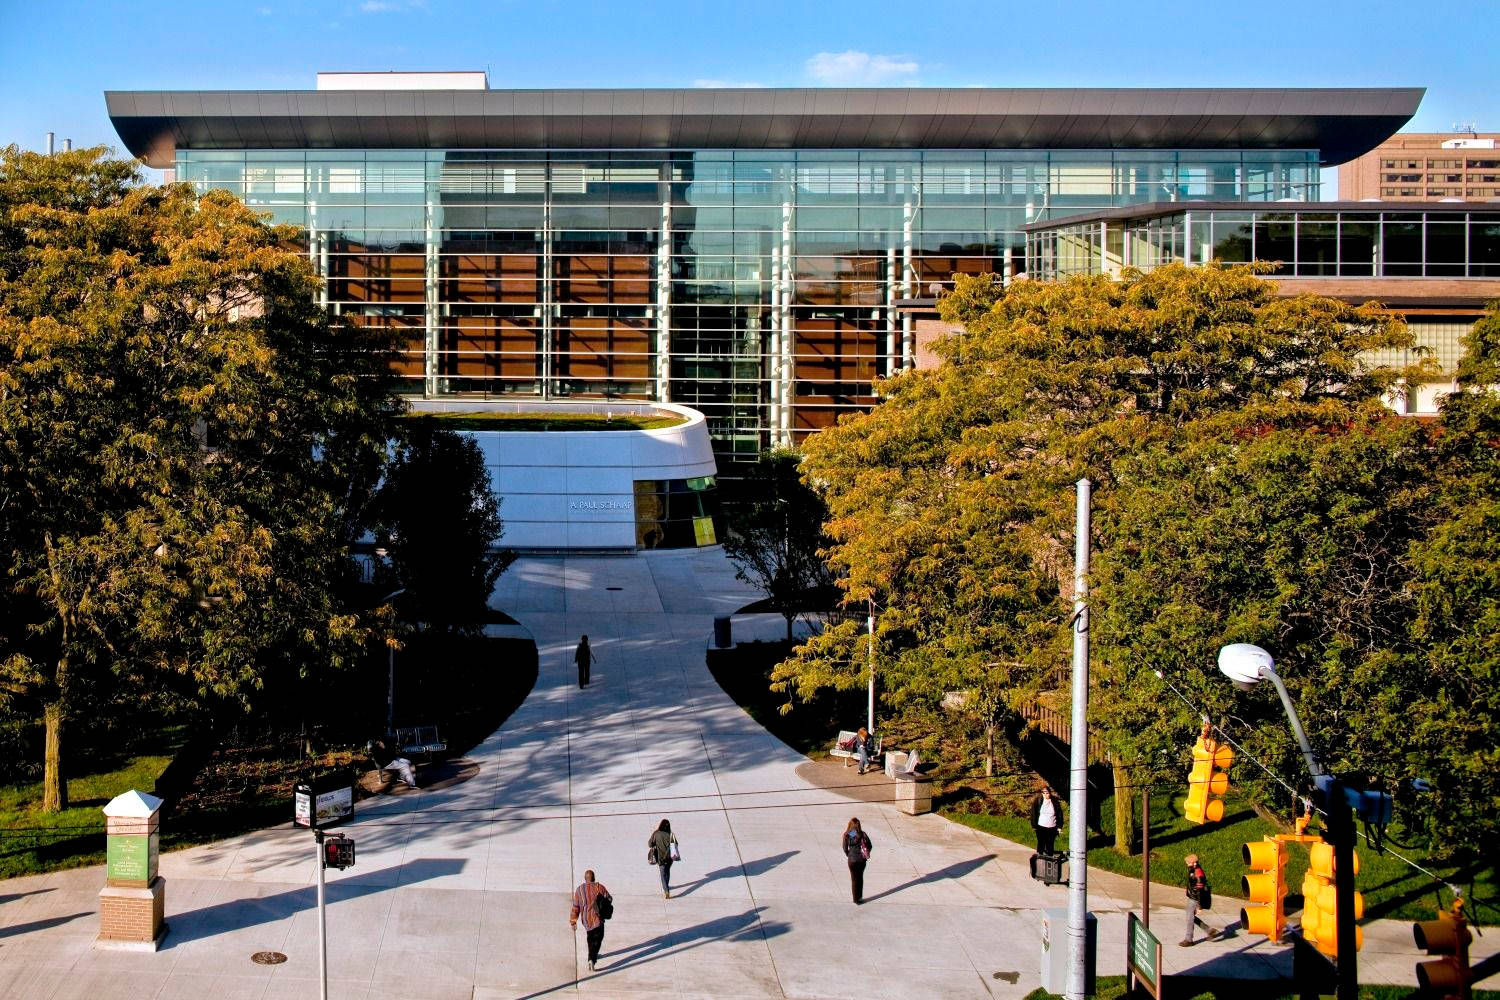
(1313, 765)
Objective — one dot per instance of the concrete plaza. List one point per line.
(462, 891)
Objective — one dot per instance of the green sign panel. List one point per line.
(1144, 955)
(131, 858)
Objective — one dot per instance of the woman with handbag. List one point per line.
(661, 850)
(855, 844)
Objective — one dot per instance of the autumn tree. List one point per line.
(952, 501)
(187, 446)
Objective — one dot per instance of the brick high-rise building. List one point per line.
(1425, 166)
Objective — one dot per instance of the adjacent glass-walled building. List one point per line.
(738, 252)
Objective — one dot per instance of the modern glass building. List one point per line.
(737, 251)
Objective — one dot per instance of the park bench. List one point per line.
(846, 738)
(420, 741)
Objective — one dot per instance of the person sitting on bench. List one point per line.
(864, 748)
(401, 765)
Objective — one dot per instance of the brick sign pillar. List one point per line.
(131, 902)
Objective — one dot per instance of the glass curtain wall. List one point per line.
(756, 285)
(1307, 244)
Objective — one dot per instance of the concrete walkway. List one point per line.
(463, 892)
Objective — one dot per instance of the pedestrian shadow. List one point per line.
(250, 911)
(953, 871)
(7, 897)
(746, 926)
(748, 869)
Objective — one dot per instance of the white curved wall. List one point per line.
(576, 489)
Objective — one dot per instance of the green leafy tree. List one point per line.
(775, 534)
(953, 499)
(187, 446)
(440, 524)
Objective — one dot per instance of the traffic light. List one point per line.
(1448, 936)
(1265, 889)
(338, 852)
(1320, 921)
(1207, 781)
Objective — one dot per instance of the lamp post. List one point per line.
(390, 687)
(1246, 665)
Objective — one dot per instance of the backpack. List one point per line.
(605, 907)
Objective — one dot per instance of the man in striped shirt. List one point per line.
(585, 904)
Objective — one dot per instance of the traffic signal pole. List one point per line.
(322, 919)
(1341, 829)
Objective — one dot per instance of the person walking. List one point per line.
(586, 907)
(1198, 897)
(661, 851)
(1046, 819)
(584, 657)
(855, 844)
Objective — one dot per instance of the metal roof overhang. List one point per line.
(1341, 123)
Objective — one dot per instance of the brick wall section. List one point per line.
(135, 916)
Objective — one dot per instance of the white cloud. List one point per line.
(854, 68)
(726, 84)
(391, 6)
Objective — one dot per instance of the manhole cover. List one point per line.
(268, 958)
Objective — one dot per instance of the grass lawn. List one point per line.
(1391, 888)
(1193, 987)
(548, 421)
(33, 841)
(466, 687)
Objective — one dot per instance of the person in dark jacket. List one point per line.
(1046, 819)
(864, 748)
(663, 843)
(584, 657)
(1197, 896)
(855, 844)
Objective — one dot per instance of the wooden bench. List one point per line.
(420, 740)
(847, 736)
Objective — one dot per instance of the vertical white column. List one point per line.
(664, 299)
(773, 348)
(786, 372)
(908, 284)
(546, 282)
(432, 362)
(892, 324)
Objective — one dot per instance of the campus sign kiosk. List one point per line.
(131, 904)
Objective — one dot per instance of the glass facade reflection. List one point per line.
(1332, 240)
(758, 286)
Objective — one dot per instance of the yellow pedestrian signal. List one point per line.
(1320, 921)
(1265, 888)
(1207, 782)
(1448, 936)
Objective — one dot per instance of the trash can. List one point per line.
(323, 800)
(723, 637)
(1055, 950)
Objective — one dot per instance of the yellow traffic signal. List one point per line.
(1207, 781)
(1449, 936)
(1265, 888)
(1320, 921)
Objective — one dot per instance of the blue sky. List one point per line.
(58, 56)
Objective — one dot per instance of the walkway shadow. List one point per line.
(6, 898)
(236, 914)
(749, 869)
(953, 871)
(41, 925)
(744, 926)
